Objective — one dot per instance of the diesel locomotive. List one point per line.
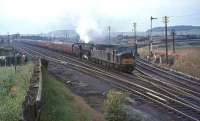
(112, 56)
(115, 56)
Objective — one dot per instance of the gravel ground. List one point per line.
(94, 91)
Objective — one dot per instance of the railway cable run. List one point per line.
(148, 92)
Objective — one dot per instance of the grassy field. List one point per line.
(60, 104)
(13, 87)
(143, 52)
(188, 61)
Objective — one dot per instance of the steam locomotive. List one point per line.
(113, 56)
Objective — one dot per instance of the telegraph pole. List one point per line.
(150, 42)
(134, 25)
(67, 37)
(8, 37)
(166, 20)
(14, 51)
(135, 37)
(173, 39)
(109, 34)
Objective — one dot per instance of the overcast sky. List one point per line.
(36, 16)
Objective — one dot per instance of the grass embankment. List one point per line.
(188, 61)
(13, 87)
(143, 52)
(60, 104)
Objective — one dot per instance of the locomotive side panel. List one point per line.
(121, 58)
(104, 55)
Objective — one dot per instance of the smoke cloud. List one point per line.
(86, 26)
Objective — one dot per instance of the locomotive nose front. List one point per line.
(127, 62)
(127, 58)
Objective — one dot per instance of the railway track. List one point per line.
(145, 86)
(189, 86)
(171, 72)
(184, 87)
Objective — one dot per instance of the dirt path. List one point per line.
(96, 116)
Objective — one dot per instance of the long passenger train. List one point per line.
(114, 56)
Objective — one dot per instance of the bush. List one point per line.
(117, 110)
(114, 105)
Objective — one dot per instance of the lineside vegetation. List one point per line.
(186, 59)
(117, 109)
(59, 102)
(13, 88)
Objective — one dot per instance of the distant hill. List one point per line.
(181, 30)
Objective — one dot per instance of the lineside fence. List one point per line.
(32, 105)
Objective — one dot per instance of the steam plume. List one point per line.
(86, 26)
